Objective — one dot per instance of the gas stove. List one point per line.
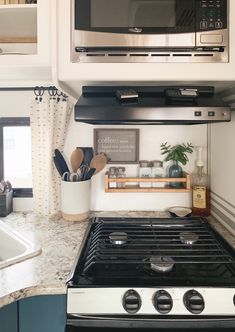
(151, 268)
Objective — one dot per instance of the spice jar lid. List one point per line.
(112, 169)
(157, 163)
(121, 169)
(144, 163)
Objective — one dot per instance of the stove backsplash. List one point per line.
(150, 139)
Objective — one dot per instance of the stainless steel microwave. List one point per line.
(149, 31)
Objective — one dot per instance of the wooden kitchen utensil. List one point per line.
(98, 162)
(76, 159)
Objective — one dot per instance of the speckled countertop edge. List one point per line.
(46, 274)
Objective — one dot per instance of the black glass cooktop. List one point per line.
(154, 252)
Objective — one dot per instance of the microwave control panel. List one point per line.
(211, 15)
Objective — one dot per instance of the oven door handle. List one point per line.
(223, 323)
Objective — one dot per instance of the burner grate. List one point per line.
(152, 237)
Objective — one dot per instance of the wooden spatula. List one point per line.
(98, 162)
(76, 159)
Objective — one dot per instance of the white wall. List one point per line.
(14, 104)
(222, 172)
(223, 160)
(150, 139)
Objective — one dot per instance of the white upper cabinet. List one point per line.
(25, 35)
(69, 71)
(36, 44)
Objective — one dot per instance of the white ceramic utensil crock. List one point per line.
(75, 200)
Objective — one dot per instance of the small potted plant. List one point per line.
(178, 154)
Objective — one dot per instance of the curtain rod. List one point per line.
(53, 92)
(25, 88)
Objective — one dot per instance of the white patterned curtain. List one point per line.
(49, 124)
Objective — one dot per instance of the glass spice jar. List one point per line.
(158, 172)
(145, 172)
(112, 175)
(121, 174)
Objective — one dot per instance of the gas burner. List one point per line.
(189, 238)
(118, 238)
(161, 264)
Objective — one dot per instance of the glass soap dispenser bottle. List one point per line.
(200, 189)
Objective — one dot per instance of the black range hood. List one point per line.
(150, 105)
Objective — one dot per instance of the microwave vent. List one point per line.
(207, 55)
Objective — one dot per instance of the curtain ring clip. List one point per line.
(52, 91)
(39, 91)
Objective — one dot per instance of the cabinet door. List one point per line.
(25, 43)
(42, 314)
(8, 318)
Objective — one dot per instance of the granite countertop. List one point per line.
(60, 240)
(47, 272)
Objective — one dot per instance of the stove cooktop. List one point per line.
(149, 252)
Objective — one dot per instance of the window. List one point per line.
(15, 155)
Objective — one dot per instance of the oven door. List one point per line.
(134, 23)
(165, 324)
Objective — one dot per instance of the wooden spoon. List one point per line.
(98, 162)
(76, 159)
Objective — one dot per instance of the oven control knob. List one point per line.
(131, 301)
(194, 302)
(162, 302)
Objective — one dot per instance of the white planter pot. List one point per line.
(75, 200)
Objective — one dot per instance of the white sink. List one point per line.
(13, 247)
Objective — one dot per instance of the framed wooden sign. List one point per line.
(120, 145)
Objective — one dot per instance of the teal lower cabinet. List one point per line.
(45, 313)
(42, 314)
(9, 318)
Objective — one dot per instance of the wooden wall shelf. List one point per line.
(135, 188)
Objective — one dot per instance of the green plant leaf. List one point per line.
(177, 152)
